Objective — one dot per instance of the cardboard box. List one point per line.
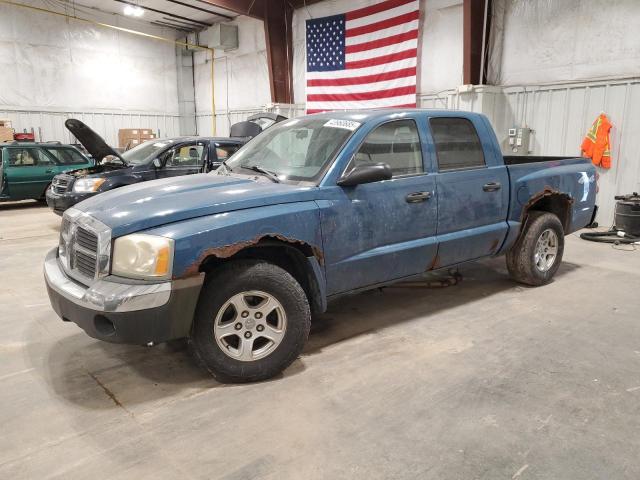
(6, 134)
(130, 137)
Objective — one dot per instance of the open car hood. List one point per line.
(90, 140)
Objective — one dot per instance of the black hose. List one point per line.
(609, 237)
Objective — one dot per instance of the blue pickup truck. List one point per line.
(239, 260)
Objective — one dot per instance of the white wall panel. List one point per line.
(551, 41)
(49, 125)
(241, 77)
(55, 68)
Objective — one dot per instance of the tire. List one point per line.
(221, 346)
(523, 264)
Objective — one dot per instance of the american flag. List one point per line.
(365, 58)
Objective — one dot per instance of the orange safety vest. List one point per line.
(596, 144)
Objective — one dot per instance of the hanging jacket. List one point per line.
(596, 143)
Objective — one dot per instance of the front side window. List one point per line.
(67, 156)
(395, 143)
(297, 150)
(185, 156)
(457, 144)
(27, 157)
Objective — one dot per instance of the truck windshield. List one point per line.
(145, 151)
(297, 150)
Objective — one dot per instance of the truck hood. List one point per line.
(159, 202)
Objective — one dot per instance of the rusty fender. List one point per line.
(227, 251)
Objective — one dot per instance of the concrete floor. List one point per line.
(482, 380)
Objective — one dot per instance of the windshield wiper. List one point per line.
(259, 169)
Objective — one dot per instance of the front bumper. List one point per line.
(115, 311)
(61, 202)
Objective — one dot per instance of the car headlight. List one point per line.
(87, 185)
(142, 256)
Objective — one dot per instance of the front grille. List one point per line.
(85, 252)
(60, 184)
(85, 263)
(85, 246)
(87, 239)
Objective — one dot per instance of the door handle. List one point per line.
(417, 197)
(491, 186)
(48, 171)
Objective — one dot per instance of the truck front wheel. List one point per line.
(252, 321)
(537, 254)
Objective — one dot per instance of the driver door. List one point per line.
(381, 231)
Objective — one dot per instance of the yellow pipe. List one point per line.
(213, 96)
(133, 32)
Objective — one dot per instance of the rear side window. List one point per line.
(27, 157)
(67, 156)
(457, 144)
(395, 143)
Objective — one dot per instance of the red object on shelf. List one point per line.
(24, 137)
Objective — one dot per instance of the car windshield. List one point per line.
(145, 151)
(297, 150)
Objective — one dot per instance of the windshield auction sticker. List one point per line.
(346, 124)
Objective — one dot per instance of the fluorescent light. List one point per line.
(133, 10)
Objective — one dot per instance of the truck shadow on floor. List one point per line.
(131, 375)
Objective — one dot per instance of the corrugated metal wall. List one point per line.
(49, 126)
(560, 116)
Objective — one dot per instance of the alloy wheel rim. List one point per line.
(250, 325)
(546, 250)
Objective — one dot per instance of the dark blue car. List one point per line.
(314, 208)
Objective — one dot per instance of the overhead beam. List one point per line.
(162, 12)
(473, 37)
(194, 7)
(251, 8)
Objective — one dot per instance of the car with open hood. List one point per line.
(152, 160)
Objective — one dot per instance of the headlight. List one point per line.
(86, 185)
(142, 256)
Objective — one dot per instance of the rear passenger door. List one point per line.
(472, 191)
(28, 170)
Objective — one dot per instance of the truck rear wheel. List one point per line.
(252, 321)
(537, 254)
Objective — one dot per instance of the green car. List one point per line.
(26, 169)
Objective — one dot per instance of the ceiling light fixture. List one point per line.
(133, 11)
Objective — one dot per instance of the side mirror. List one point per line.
(157, 162)
(366, 174)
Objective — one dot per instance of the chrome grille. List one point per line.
(87, 239)
(86, 264)
(60, 184)
(85, 246)
(85, 252)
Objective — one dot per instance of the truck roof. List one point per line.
(360, 115)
